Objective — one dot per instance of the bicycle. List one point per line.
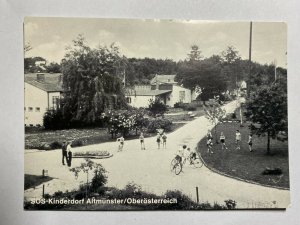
(176, 165)
(194, 160)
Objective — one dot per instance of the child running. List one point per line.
(142, 140)
(222, 140)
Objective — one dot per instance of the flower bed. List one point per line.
(92, 154)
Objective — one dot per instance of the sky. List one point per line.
(158, 39)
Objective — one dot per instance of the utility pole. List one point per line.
(250, 55)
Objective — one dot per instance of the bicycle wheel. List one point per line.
(177, 168)
(197, 163)
(173, 162)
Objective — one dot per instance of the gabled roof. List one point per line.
(51, 83)
(138, 92)
(169, 79)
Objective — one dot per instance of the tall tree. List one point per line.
(267, 110)
(90, 82)
(195, 54)
(205, 74)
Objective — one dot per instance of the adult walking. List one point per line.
(69, 152)
(64, 152)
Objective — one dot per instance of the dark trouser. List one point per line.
(64, 155)
(69, 159)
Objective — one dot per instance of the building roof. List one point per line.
(147, 92)
(169, 79)
(52, 82)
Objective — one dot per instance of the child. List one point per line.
(238, 138)
(222, 140)
(142, 141)
(164, 138)
(121, 143)
(209, 135)
(158, 140)
(250, 142)
(209, 146)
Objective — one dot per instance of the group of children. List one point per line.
(160, 137)
(238, 138)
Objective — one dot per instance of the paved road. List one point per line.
(150, 169)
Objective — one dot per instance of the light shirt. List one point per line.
(238, 136)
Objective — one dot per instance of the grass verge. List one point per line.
(243, 163)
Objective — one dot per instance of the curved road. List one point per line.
(150, 169)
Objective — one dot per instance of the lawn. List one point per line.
(38, 138)
(243, 163)
(31, 181)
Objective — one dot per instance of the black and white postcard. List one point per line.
(143, 114)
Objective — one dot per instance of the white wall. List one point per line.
(175, 96)
(36, 98)
(140, 101)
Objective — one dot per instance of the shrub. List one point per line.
(77, 143)
(98, 181)
(55, 145)
(157, 107)
(183, 201)
(159, 123)
(53, 119)
(179, 105)
(191, 108)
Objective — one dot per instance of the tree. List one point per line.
(53, 68)
(214, 113)
(100, 177)
(90, 82)
(195, 54)
(267, 110)
(231, 55)
(205, 74)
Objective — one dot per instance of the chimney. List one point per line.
(157, 85)
(40, 77)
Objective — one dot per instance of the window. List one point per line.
(55, 102)
(37, 109)
(30, 109)
(181, 96)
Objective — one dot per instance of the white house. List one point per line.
(163, 87)
(42, 92)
